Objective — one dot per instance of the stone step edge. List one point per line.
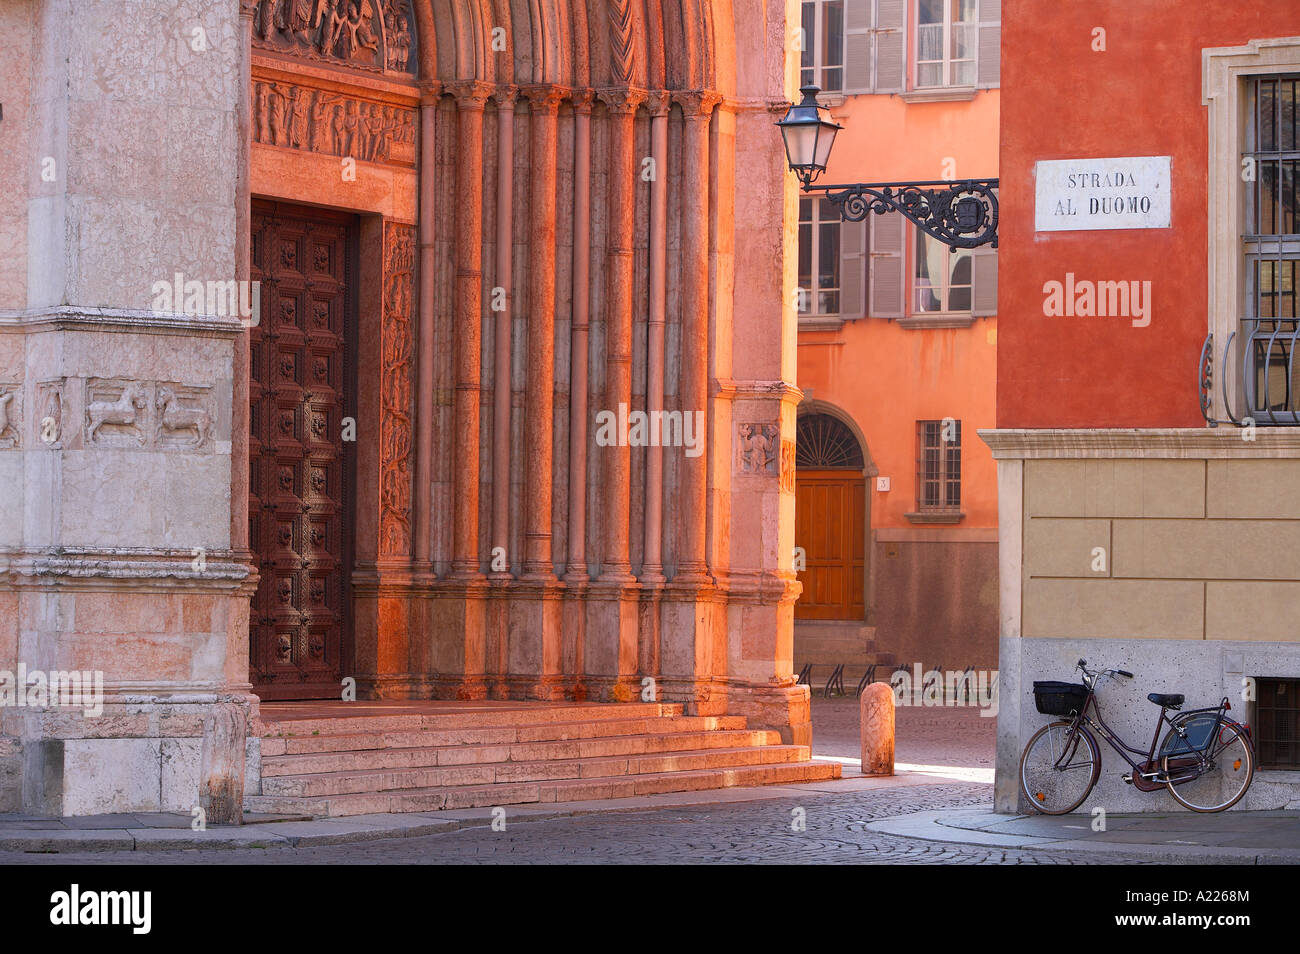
(376, 734)
(505, 794)
(765, 755)
(278, 762)
(470, 717)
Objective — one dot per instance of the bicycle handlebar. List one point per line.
(1083, 664)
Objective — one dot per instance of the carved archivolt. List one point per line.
(317, 120)
(369, 34)
(397, 355)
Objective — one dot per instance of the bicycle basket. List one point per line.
(1059, 698)
(1199, 728)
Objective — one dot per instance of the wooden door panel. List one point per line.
(299, 467)
(829, 525)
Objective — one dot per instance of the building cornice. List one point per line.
(1192, 443)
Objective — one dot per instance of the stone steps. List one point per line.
(292, 742)
(355, 782)
(397, 758)
(562, 790)
(421, 757)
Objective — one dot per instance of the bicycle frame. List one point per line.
(1122, 748)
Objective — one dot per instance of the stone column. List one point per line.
(621, 116)
(471, 97)
(423, 503)
(610, 647)
(539, 390)
(505, 99)
(578, 385)
(652, 564)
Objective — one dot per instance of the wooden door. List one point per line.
(300, 489)
(829, 524)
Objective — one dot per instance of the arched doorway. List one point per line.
(830, 517)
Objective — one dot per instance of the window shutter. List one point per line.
(888, 278)
(984, 281)
(853, 269)
(989, 55)
(858, 46)
(891, 21)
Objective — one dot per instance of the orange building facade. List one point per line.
(1146, 440)
(896, 496)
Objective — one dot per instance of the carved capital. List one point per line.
(505, 96)
(247, 8)
(658, 103)
(430, 92)
(697, 104)
(470, 94)
(583, 100)
(544, 99)
(622, 101)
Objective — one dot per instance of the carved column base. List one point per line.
(533, 650)
(610, 647)
(457, 621)
(784, 709)
(692, 660)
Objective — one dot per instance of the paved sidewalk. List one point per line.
(1233, 837)
(162, 831)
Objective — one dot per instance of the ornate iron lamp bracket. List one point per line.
(961, 213)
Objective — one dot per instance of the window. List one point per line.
(938, 466)
(942, 277)
(1276, 723)
(822, 60)
(819, 257)
(823, 442)
(947, 36)
(1271, 246)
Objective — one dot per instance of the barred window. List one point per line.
(1271, 245)
(1277, 723)
(938, 465)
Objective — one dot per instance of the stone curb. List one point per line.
(944, 825)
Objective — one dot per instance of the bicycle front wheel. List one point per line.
(1212, 781)
(1059, 767)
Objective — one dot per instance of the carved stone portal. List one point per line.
(369, 34)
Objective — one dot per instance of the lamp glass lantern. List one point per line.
(809, 132)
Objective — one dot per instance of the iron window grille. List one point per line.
(826, 443)
(1276, 723)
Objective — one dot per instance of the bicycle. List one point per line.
(1206, 762)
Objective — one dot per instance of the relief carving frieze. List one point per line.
(333, 124)
(397, 354)
(365, 34)
(159, 415)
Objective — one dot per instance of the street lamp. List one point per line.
(961, 213)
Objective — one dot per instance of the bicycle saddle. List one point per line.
(1167, 700)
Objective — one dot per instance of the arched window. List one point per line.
(826, 443)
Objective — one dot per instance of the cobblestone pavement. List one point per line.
(754, 832)
(954, 736)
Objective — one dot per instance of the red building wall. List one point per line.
(1141, 96)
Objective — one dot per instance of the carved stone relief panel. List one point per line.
(331, 123)
(366, 34)
(49, 412)
(397, 354)
(11, 403)
(758, 448)
(139, 414)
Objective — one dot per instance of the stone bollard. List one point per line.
(877, 708)
(221, 770)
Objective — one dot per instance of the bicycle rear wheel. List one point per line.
(1218, 782)
(1058, 768)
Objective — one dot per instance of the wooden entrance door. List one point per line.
(300, 492)
(829, 525)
